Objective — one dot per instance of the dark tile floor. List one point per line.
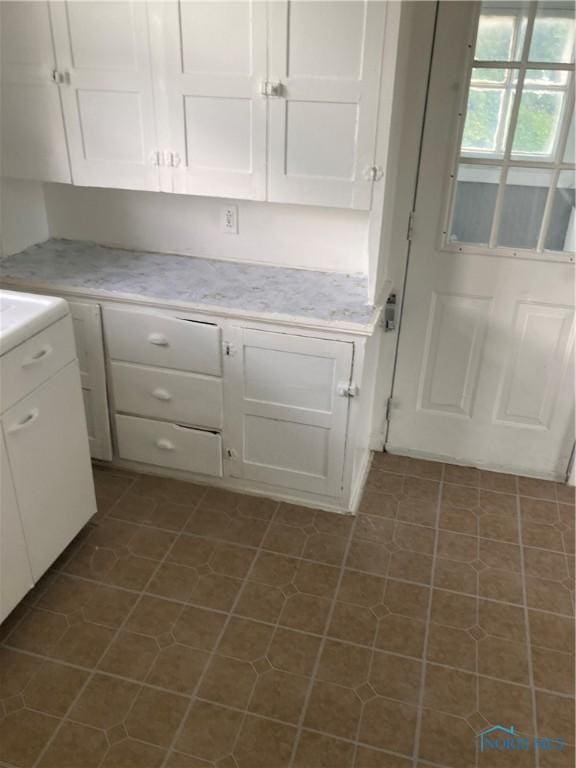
(190, 627)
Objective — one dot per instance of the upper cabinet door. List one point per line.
(210, 61)
(33, 137)
(322, 125)
(104, 63)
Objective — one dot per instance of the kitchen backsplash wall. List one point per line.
(286, 235)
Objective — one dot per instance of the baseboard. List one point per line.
(489, 466)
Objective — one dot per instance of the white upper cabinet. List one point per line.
(106, 88)
(210, 61)
(244, 99)
(325, 61)
(33, 137)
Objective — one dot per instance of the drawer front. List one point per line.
(169, 445)
(168, 342)
(185, 398)
(36, 360)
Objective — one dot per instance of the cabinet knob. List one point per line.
(158, 339)
(162, 394)
(165, 445)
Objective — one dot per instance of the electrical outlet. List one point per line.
(229, 219)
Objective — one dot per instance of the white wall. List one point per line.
(287, 235)
(23, 220)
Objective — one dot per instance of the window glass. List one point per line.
(553, 33)
(487, 113)
(474, 203)
(561, 235)
(523, 207)
(501, 30)
(538, 120)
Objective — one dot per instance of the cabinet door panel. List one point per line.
(286, 421)
(15, 574)
(46, 440)
(322, 129)
(33, 136)
(87, 323)
(108, 102)
(212, 57)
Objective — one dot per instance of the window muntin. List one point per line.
(517, 140)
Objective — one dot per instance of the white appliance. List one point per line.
(46, 486)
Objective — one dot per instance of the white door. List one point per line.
(210, 61)
(47, 449)
(286, 421)
(87, 324)
(33, 137)
(325, 61)
(15, 574)
(485, 371)
(104, 67)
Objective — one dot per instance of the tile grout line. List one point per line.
(95, 670)
(420, 703)
(194, 695)
(528, 642)
(300, 723)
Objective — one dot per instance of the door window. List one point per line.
(512, 187)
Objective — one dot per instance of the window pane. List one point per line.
(538, 121)
(561, 227)
(553, 33)
(500, 31)
(475, 199)
(487, 116)
(523, 207)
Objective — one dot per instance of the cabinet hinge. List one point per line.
(375, 173)
(388, 408)
(60, 78)
(347, 390)
(231, 454)
(229, 350)
(410, 228)
(272, 88)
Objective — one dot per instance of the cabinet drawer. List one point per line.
(168, 342)
(36, 360)
(169, 445)
(186, 398)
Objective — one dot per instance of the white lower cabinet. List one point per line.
(54, 452)
(15, 573)
(87, 324)
(287, 409)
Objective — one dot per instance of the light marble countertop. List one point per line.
(228, 287)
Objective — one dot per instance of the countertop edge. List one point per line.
(358, 329)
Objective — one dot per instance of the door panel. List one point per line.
(212, 59)
(322, 127)
(287, 422)
(485, 362)
(103, 52)
(33, 136)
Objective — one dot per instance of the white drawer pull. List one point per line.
(29, 419)
(158, 339)
(164, 444)
(45, 351)
(162, 394)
